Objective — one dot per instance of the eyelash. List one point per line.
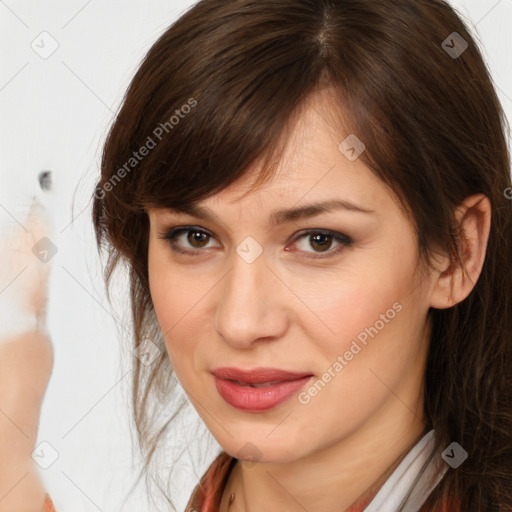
(172, 233)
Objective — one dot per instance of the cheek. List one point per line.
(164, 287)
(367, 294)
(366, 329)
(177, 302)
(368, 356)
(377, 311)
(167, 311)
(165, 301)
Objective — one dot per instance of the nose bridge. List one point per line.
(249, 307)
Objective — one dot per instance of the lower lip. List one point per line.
(247, 398)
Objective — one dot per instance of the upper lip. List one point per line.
(258, 375)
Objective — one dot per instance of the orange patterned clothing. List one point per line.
(48, 504)
(207, 494)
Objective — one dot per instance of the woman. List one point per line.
(310, 197)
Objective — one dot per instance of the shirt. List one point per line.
(207, 495)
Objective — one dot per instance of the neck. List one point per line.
(344, 476)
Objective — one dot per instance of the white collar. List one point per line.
(395, 490)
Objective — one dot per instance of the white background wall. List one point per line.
(55, 113)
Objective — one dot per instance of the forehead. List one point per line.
(313, 166)
(311, 169)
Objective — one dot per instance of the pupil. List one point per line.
(321, 236)
(197, 237)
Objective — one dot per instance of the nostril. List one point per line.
(45, 180)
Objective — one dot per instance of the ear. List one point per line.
(455, 280)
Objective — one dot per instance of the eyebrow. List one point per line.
(284, 215)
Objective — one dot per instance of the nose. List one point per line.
(252, 304)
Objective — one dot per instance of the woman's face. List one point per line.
(242, 291)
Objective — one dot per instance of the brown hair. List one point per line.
(434, 131)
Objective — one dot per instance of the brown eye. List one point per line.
(197, 238)
(321, 242)
(191, 244)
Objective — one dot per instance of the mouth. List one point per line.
(258, 389)
(258, 385)
(258, 375)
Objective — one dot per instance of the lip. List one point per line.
(257, 375)
(247, 398)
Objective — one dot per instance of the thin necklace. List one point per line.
(232, 495)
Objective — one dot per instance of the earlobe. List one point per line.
(456, 280)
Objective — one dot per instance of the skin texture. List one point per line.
(288, 310)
